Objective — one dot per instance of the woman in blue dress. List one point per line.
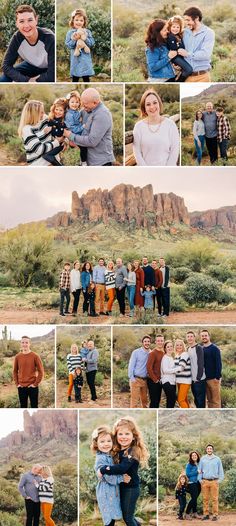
(80, 59)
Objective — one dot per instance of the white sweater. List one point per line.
(75, 282)
(168, 370)
(156, 149)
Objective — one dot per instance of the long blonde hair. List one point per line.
(30, 114)
(138, 448)
(47, 471)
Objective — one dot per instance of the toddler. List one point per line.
(80, 55)
(174, 43)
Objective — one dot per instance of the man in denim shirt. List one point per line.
(210, 474)
(29, 491)
(199, 42)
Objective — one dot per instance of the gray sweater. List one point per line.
(27, 487)
(98, 138)
(210, 121)
(92, 360)
(121, 273)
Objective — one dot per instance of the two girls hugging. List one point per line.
(43, 136)
(119, 453)
(79, 41)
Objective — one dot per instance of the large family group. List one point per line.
(169, 365)
(145, 286)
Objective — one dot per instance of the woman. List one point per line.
(158, 56)
(86, 278)
(184, 377)
(168, 372)
(194, 486)
(131, 287)
(138, 298)
(199, 135)
(73, 360)
(156, 137)
(75, 285)
(45, 488)
(110, 283)
(36, 133)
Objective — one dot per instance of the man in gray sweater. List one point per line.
(210, 122)
(91, 362)
(29, 491)
(98, 125)
(121, 274)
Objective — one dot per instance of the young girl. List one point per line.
(57, 124)
(91, 298)
(107, 490)
(130, 451)
(148, 297)
(73, 121)
(174, 43)
(180, 494)
(80, 65)
(78, 382)
(74, 360)
(45, 488)
(35, 133)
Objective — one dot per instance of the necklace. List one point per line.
(151, 126)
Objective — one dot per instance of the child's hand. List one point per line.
(172, 54)
(67, 133)
(126, 478)
(48, 129)
(75, 36)
(99, 474)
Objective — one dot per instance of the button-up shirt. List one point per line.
(99, 274)
(210, 468)
(199, 46)
(138, 364)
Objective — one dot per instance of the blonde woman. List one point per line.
(45, 489)
(36, 134)
(156, 137)
(74, 360)
(110, 283)
(184, 376)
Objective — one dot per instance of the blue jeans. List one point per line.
(199, 393)
(128, 499)
(223, 145)
(26, 69)
(199, 149)
(131, 293)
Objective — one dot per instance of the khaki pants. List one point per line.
(99, 297)
(210, 491)
(213, 393)
(138, 392)
(182, 398)
(203, 77)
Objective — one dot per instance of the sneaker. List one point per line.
(67, 312)
(80, 401)
(188, 517)
(69, 398)
(84, 163)
(205, 518)
(62, 314)
(103, 314)
(196, 516)
(77, 401)
(214, 518)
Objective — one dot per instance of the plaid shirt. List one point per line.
(65, 279)
(223, 128)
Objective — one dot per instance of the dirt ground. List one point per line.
(228, 519)
(103, 394)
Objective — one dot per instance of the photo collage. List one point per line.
(117, 262)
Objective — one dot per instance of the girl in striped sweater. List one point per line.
(184, 376)
(36, 133)
(74, 360)
(45, 488)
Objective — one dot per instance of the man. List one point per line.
(210, 474)
(64, 287)
(213, 368)
(28, 489)
(91, 361)
(99, 280)
(120, 284)
(98, 126)
(149, 274)
(158, 279)
(199, 43)
(154, 371)
(223, 133)
(210, 122)
(27, 374)
(196, 354)
(137, 373)
(163, 293)
(34, 45)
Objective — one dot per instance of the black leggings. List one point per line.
(85, 79)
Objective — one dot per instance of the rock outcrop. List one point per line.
(224, 218)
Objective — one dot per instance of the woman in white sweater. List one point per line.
(168, 374)
(184, 377)
(199, 135)
(75, 285)
(156, 138)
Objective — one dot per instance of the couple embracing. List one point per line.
(119, 453)
(36, 487)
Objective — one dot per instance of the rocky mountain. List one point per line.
(126, 204)
(199, 421)
(213, 93)
(50, 433)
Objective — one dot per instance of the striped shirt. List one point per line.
(183, 361)
(110, 279)
(74, 361)
(37, 142)
(46, 490)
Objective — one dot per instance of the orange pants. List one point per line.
(111, 297)
(182, 398)
(138, 392)
(99, 297)
(46, 511)
(210, 491)
(203, 77)
(70, 387)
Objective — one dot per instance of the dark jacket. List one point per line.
(173, 43)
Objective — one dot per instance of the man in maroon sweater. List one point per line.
(158, 280)
(27, 373)
(154, 371)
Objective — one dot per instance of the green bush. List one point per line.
(121, 379)
(161, 493)
(180, 274)
(219, 272)
(8, 520)
(228, 397)
(177, 302)
(6, 375)
(99, 379)
(228, 490)
(65, 504)
(199, 290)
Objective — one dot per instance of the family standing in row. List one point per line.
(213, 128)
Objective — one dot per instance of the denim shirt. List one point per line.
(158, 63)
(80, 66)
(199, 47)
(85, 279)
(73, 121)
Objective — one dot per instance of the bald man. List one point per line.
(210, 121)
(97, 137)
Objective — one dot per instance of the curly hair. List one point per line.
(78, 12)
(58, 102)
(98, 432)
(153, 37)
(176, 20)
(138, 448)
(190, 460)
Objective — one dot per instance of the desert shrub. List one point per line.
(121, 379)
(62, 370)
(219, 272)
(227, 461)
(99, 378)
(196, 254)
(9, 496)
(5, 280)
(6, 373)
(168, 472)
(228, 490)
(200, 290)
(148, 475)
(178, 304)
(65, 504)
(161, 493)
(47, 394)
(228, 397)
(12, 401)
(226, 296)
(180, 274)
(8, 520)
